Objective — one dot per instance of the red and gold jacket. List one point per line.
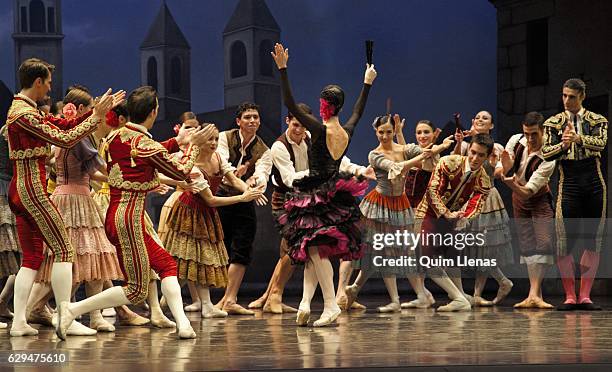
(30, 131)
(133, 160)
(448, 190)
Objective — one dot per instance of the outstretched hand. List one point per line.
(370, 74)
(118, 98)
(104, 104)
(280, 55)
(398, 123)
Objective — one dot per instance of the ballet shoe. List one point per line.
(503, 291)
(24, 330)
(327, 319)
(481, 302)
(458, 304)
(288, 309)
(213, 313)
(392, 307)
(533, 303)
(3, 325)
(357, 306)
(469, 298)
(303, 317)
(570, 306)
(134, 320)
(185, 333)
(196, 306)
(109, 313)
(5, 312)
(78, 329)
(273, 305)
(342, 302)
(352, 291)
(588, 306)
(236, 309)
(101, 325)
(64, 319)
(258, 303)
(419, 303)
(40, 316)
(161, 321)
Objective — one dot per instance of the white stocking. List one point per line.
(310, 286)
(172, 292)
(325, 274)
(61, 281)
(23, 286)
(391, 284)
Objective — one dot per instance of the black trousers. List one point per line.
(581, 209)
(239, 223)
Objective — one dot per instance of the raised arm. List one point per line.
(368, 79)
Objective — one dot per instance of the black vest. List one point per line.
(531, 167)
(281, 187)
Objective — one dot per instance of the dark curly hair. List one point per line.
(334, 95)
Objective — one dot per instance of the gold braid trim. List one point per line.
(115, 179)
(36, 152)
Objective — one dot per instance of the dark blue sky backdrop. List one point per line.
(433, 57)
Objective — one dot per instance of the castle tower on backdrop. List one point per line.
(38, 33)
(250, 74)
(165, 64)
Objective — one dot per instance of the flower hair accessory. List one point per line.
(176, 128)
(112, 120)
(69, 110)
(326, 109)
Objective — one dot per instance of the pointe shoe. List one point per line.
(288, 309)
(64, 320)
(5, 312)
(419, 303)
(326, 320)
(479, 301)
(392, 307)
(134, 320)
(303, 317)
(109, 313)
(525, 304)
(357, 306)
(196, 306)
(258, 303)
(342, 302)
(352, 291)
(101, 325)
(213, 313)
(503, 291)
(40, 316)
(273, 305)
(24, 330)
(78, 329)
(185, 333)
(236, 309)
(469, 298)
(161, 321)
(458, 304)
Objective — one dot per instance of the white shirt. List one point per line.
(580, 119)
(540, 176)
(291, 172)
(263, 166)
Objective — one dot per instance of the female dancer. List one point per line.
(9, 247)
(193, 233)
(493, 220)
(188, 122)
(96, 258)
(321, 215)
(386, 209)
(417, 180)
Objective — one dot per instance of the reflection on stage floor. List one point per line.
(487, 336)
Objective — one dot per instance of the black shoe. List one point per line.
(567, 307)
(588, 306)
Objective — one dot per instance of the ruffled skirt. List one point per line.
(194, 237)
(162, 229)
(326, 216)
(96, 257)
(9, 245)
(384, 214)
(494, 223)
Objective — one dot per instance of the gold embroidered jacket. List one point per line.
(593, 133)
(133, 160)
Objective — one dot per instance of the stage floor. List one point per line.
(486, 337)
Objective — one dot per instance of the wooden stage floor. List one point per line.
(486, 337)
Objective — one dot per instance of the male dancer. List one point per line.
(248, 153)
(576, 137)
(30, 133)
(290, 159)
(456, 181)
(133, 162)
(531, 202)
